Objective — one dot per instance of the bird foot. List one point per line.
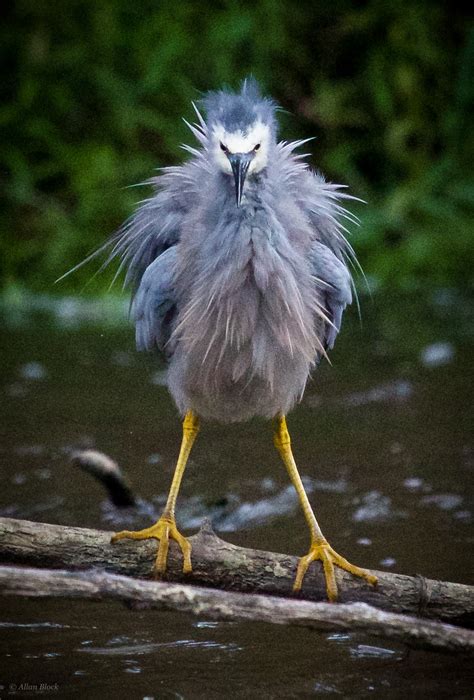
(322, 551)
(163, 530)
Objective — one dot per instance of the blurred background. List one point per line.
(93, 95)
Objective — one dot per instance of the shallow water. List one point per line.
(383, 439)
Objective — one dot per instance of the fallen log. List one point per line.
(225, 605)
(219, 564)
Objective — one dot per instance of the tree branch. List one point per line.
(219, 564)
(218, 605)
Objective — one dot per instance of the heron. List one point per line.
(240, 274)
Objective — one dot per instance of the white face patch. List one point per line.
(238, 142)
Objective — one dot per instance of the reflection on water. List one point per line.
(375, 507)
(365, 651)
(382, 438)
(116, 646)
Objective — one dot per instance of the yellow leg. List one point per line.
(165, 528)
(319, 548)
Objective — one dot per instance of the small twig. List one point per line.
(224, 605)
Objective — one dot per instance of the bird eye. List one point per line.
(257, 147)
(224, 148)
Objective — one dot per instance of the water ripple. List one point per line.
(150, 647)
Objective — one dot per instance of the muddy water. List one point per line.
(383, 439)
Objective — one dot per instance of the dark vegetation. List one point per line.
(94, 93)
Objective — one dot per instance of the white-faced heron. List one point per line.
(238, 263)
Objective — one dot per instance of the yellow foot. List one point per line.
(163, 530)
(323, 551)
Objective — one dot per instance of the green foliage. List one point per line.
(94, 92)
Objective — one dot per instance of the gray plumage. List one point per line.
(242, 300)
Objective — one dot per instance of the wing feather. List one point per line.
(154, 307)
(334, 282)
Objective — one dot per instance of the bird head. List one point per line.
(242, 132)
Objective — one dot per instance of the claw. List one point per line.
(321, 550)
(163, 530)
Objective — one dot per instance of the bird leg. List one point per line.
(165, 528)
(319, 548)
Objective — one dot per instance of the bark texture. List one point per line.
(219, 564)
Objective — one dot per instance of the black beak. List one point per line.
(240, 164)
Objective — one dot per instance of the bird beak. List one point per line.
(240, 164)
